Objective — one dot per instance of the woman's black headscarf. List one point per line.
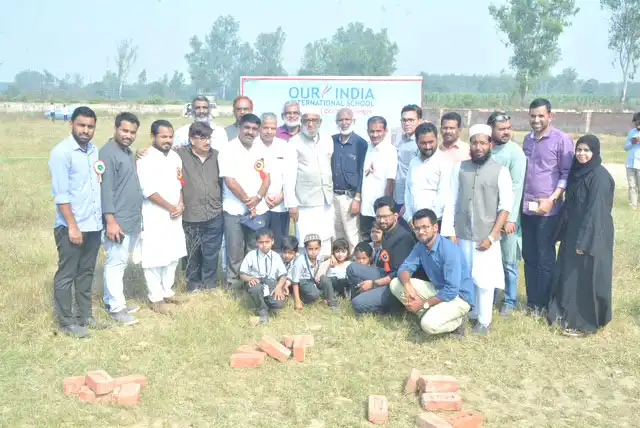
(580, 170)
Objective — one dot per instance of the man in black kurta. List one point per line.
(581, 290)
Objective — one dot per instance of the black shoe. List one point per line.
(480, 330)
(75, 330)
(93, 324)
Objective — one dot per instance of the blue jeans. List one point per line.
(279, 224)
(510, 284)
(377, 300)
(539, 254)
(204, 240)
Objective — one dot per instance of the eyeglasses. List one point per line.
(501, 118)
(316, 121)
(386, 216)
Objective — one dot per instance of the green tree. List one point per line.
(176, 84)
(268, 49)
(624, 37)
(126, 56)
(352, 51)
(213, 63)
(532, 29)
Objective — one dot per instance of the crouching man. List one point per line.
(443, 303)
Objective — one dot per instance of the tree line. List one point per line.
(217, 60)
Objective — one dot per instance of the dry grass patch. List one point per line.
(523, 375)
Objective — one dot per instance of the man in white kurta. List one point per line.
(309, 184)
(163, 240)
(429, 175)
(479, 204)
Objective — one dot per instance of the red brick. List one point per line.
(129, 395)
(136, 378)
(99, 381)
(437, 384)
(72, 385)
(430, 420)
(412, 382)
(106, 398)
(249, 349)
(299, 349)
(86, 395)
(434, 401)
(290, 338)
(247, 361)
(466, 420)
(378, 409)
(274, 349)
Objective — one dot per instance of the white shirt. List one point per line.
(263, 266)
(163, 240)
(505, 198)
(380, 165)
(279, 156)
(235, 161)
(428, 183)
(218, 137)
(407, 151)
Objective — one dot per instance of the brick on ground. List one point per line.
(274, 349)
(86, 395)
(291, 338)
(99, 381)
(412, 382)
(249, 349)
(437, 383)
(129, 395)
(437, 401)
(136, 378)
(72, 384)
(299, 349)
(466, 420)
(431, 420)
(247, 360)
(378, 409)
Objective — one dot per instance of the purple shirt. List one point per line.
(283, 132)
(549, 161)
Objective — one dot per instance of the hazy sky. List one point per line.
(454, 36)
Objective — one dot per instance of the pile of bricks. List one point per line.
(252, 356)
(97, 386)
(437, 394)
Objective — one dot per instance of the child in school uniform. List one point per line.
(305, 267)
(376, 242)
(290, 247)
(265, 274)
(363, 253)
(334, 270)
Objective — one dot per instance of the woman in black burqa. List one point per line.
(581, 290)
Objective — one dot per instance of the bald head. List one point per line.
(345, 121)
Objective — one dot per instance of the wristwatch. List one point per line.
(259, 197)
(491, 239)
(426, 305)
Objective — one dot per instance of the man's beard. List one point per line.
(347, 131)
(162, 149)
(427, 153)
(292, 123)
(205, 119)
(306, 132)
(499, 142)
(482, 160)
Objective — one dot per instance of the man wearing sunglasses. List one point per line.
(510, 155)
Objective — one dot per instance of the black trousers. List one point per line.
(76, 266)
(204, 240)
(310, 292)
(261, 303)
(279, 224)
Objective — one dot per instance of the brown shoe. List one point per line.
(177, 300)
(161, 307)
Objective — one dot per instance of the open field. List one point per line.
(522, 375)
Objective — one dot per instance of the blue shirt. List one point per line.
(75, 181)
(347, 162)
(446, 268)
(633, 160)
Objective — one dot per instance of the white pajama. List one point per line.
(160, 281)
(318, 220)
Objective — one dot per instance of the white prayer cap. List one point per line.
(480, 128)
(310, 110)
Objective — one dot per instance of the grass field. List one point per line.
(523, 375)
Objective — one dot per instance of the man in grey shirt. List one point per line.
(122, 213)
(202, 219)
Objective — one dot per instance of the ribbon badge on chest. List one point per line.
(180, 177)
(259, 166)
(384, 256)
(99, 167)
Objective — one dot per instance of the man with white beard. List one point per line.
(475, 213)
(291, 117)
(201, 112)
(349, 151)
(308, 190)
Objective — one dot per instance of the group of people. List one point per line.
(391, 222)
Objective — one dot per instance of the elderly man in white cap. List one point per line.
(475, 213)
(308, 190)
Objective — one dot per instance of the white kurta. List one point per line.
(163, 240)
